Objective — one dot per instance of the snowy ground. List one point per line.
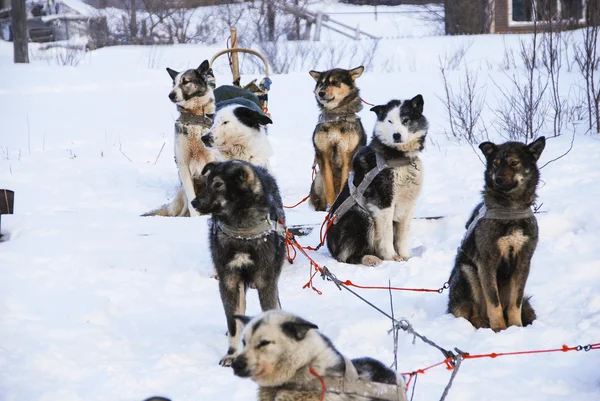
(100, 304)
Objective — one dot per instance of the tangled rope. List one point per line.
(452, 359)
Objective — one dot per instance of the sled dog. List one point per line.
(338, 134)
(195, 102)
(374, 210)
(492, 264)
(247, 237)
(280, 349)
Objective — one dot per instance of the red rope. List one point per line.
(323, 386)
(364, 287)
(365, 102)
(449, 366)
(299, 203)
(314, 173)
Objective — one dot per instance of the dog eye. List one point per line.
(496, 163)
(185, 82)
(263, 343)
(405, 121)
(244, 343)
(217, 185)
(225, 122)
(514, 163)
(390, 121)
(334, 82)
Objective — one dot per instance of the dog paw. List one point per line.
(371, 260)
(227, 360)
(400, 258)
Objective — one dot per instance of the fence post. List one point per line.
(318, 24)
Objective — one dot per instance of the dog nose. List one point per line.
(499, 180)
(172, 96)
(207, 140)
(240, 367)
(397, 137)
(195, 203)
(322, 93)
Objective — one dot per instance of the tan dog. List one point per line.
(338, 134)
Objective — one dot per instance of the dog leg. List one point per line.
(401, 230)
(268, 296)
(327, 174)
(516, 292)
(384, 234)
(188, 187)
(489, 284)
(233, 296)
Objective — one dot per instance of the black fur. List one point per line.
(511, 179)
(241, 195)
(251, 118)
(297, 329)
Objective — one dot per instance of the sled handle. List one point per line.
(242, 50)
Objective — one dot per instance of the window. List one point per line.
(546, 10)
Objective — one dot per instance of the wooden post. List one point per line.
(18, 14)
(318, 24)
(7, 200)
(235, 64)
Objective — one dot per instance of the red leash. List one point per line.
(323, 386)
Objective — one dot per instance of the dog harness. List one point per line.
(497, 214)
(352, 384)
(264, 228)
(357, 193)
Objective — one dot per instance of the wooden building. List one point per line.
(518, 16)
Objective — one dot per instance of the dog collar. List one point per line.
(203, 120)
(332, 118)
(264, 228)
(498, 214)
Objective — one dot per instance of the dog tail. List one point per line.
(527, 313)
(161, 211)
(177, 208)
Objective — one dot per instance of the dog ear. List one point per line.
(208, 168)
(536, 147)
(251, 118)
(243, 318)
(380, 111)
(417, 104)
(172, 73)
(487, 148)
(243, 173)
(315, 74)
(297, 329)
(356, 72)
(203, 68)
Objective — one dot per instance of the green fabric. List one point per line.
(227, 92)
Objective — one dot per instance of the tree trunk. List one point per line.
(20, 35)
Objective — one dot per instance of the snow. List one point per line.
(99, 304)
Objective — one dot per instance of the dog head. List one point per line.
(512, 165)
(401, 125)
(228, 186)
(335, 85)
(275, 345)
(189, 84)
(233, 125)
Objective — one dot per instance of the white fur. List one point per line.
(392, 124)
(235, 140)
(194, 103)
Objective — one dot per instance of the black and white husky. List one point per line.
(374, 210)
(247, 237)
(281, 349)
